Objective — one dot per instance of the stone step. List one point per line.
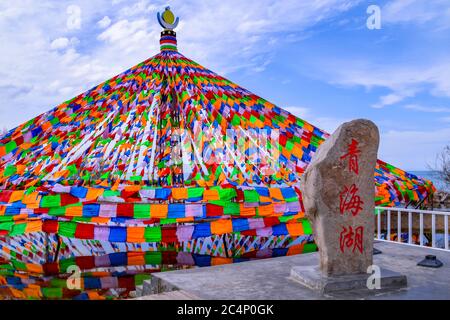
(171, 295)
(155, 285)
(136, 293)
(139, 290)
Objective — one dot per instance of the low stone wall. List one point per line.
(441, 200)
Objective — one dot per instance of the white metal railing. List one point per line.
(387, 212)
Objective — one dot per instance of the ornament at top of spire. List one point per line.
(167, 19)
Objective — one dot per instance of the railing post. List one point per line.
(421, 230)
(388, 231)
(409, 227)
(422, 213)
(446, 231)
(379, 224)
(433, 230)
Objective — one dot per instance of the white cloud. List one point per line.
(124, 32)
(421, 108)
(104, 23)
(435, 12)
(40, 66)
(143, 7)
(407, 149)
(57, 50)
(51, 55)
(403, 81)
(60, 43)
(64, 43)
(301, 112)
(411, 149)
(239, 31)
(46, 63)
(404, 74)
(328, 124)
(391, 99)
(74, 17)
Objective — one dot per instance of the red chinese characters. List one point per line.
(350, 201)
(352, 155)
(351, 239)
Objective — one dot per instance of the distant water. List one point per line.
(434, 177)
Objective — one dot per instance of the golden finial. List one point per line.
(167, 19)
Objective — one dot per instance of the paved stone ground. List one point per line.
(171, 295)
(269, 279)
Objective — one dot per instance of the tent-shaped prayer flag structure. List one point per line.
(41, 266)
(167, 151)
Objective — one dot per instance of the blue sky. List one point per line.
(315, 58)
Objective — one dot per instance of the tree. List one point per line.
(443, 165)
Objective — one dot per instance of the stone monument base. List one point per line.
(313, 278)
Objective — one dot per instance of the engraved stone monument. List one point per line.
(338, 195)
